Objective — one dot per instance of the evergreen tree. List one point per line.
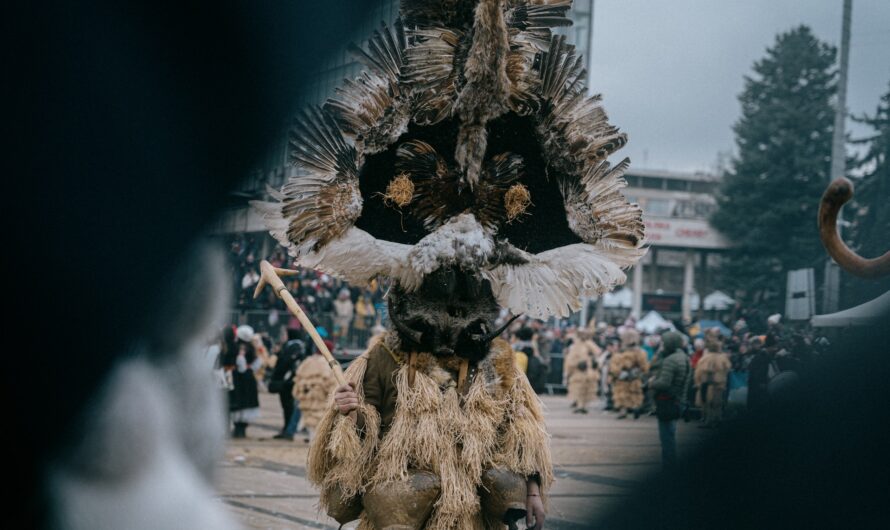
(869, 233)
(769, 197)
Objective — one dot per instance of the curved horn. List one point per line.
(403, 328)
(839, 192)
(497, 333)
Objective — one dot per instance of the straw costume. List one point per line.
(313, 383)
(711, 374)
(581, 372)
(468, 166)
(627, 370)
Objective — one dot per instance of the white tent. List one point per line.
(694, 301)
(620, 298)
(718, 300)
(653, 322)
(869, 313)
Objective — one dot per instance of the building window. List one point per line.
(703, 187)
(657, 207)
(652, 183)
(692, 209)
(678, 185)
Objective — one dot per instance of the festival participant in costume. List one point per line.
(628, 369)
(467, 165)
(313, 384)
(580, 370)
(711, 373)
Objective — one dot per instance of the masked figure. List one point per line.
(627, 370)
(711, 374)
(581, 370)
(468, 166)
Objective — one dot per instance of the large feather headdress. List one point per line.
(468, 142)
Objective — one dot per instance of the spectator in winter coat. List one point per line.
(672, 374)
(344, 310)
(244, 404)
(698, 346)
(758, 375)
(282, 381)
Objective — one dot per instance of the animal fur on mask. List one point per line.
(452, 313)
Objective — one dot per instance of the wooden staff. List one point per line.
(837, 193)
(270, 275)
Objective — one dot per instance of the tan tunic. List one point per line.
(580, 369)
(712, 369)
(628, 394)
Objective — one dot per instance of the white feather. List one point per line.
(553, 282)
(358, 257)
(275, 223)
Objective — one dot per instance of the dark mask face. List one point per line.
(452, 313)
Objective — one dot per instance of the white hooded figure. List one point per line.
(154, 433)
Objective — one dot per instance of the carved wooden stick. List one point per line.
(839, 192)
(270, 275)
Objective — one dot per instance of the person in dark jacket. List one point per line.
(758, 376)
(537, 366)
(672, 375)
(282, 382)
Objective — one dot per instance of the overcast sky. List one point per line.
(670, 71)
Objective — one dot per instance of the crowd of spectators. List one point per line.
(759, 346)
(762, 356)
(346, 314)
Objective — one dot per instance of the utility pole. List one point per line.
(590, 37)
(585, 301)
(831, 297)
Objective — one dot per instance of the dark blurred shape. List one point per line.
(816, 457)
(128, 123)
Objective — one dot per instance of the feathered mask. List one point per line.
(468, 144)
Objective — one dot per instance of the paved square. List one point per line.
(597, 457)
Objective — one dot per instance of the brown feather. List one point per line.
(597, 211)
(372, 108)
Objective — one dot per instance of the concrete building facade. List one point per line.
(677, 273)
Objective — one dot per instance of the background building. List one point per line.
(676, 277)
